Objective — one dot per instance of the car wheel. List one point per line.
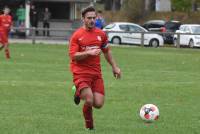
(191, 43)
(154, 43)
(116, 40)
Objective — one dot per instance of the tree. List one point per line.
(134, 9)
(113, 5)
(195, 4)
(185, 5)
(181, 5)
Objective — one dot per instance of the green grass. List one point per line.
(35, 96)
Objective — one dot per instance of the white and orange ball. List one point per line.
(149, 112)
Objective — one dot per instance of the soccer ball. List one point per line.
(149, 112)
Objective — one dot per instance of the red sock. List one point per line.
(7, 53)
(87, 112)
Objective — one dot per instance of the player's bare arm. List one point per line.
(116, 70)
(82, 55)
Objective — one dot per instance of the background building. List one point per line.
(158, 5)
(163, 5)
(63, 12)
(60, 9)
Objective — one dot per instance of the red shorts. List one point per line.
(3, 38)
(94, 82)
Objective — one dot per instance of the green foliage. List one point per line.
(134, 9)
(182, 5)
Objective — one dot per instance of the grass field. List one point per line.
(35, 96)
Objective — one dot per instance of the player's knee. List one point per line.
(6, 46)
(98, 105)
(89, 99)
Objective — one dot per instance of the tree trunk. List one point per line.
(194, 5)
(113, 5)
(108, 4)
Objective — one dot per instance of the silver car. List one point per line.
(130, 33)
(189, 35)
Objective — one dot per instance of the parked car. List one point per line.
(130, 33)
(186, 38)
(166, 27)
(155, 25)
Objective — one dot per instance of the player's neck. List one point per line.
(87, 28)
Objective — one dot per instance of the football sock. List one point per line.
(7, 53)
(87, 113)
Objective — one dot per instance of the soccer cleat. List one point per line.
(76, 99)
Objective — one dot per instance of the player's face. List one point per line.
(99, 15)
(89, 20)
(6, 11)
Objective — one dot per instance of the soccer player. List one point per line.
(100, 22)
(86, 45)
(5, 24)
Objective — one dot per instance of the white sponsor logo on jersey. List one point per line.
(81, 38)
(99, 38)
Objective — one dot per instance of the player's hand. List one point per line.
(117, 72)
(94, 52)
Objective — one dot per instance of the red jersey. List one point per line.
(5, 23)
(83, 40)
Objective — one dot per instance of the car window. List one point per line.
(110, 26)
(172, 25)
(124, 27)
(195, 29)
(182, 28)
(187, 29)
(132, 28)
(156, 25)
(135, 29)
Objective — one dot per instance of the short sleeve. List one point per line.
(73, 46)
(105, 47)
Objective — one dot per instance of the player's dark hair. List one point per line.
(6, 7)
(87, 9)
